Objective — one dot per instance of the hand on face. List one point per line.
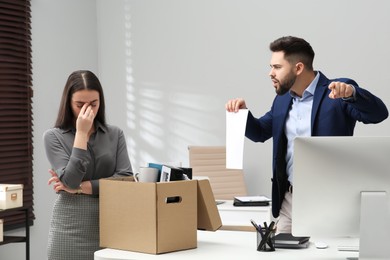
(340, 90)
(84, 121)
(85, 106)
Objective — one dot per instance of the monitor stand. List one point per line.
(374, 226)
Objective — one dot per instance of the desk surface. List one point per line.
(237, 244)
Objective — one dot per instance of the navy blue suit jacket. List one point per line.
(330, 117)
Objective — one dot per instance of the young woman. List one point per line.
(81, 149)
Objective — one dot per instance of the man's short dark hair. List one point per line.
(295, 50)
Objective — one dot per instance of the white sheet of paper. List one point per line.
(235, 135)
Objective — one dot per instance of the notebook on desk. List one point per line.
(287, 240)
(251, 201)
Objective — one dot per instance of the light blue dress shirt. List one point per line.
(298, 121)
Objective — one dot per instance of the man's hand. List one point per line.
(233, 105)
(340, 90)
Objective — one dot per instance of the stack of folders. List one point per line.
(170, 173)
(287, 240)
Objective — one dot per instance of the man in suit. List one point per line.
(307, 104)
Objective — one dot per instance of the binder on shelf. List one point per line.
(243, 201)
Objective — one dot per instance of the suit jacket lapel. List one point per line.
(319, 94)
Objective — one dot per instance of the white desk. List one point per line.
(238, 218)
(224, 244)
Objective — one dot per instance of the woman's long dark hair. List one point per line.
(79, 80)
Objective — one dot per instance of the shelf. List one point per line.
(19, 239)
(12, 239)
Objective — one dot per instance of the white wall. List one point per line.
(178, 62)
(168, 67)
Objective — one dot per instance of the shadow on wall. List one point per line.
(164, 118)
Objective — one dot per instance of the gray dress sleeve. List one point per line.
(68, 162)
(105, 157)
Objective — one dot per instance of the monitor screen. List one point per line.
(330, 176)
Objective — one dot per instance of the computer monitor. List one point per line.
(341, 188)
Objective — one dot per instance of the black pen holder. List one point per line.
(265, 241)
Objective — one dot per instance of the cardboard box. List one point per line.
(11, 196)
(155, 217)
(1, 231)
(208, 214)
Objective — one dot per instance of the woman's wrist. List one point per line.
(81, 140)
(79, 190)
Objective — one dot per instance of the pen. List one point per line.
(271, 226)
(258, 228)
